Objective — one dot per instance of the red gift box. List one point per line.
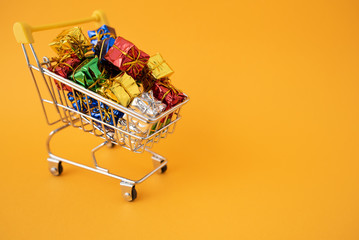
(64, 69)
(127, 57)
(163, 90)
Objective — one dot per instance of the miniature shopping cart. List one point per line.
(54, 99)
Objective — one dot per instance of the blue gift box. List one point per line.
(80, 104)
(100, 34)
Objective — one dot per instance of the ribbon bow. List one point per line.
(135, 62)
(101, 33)
(166, 83)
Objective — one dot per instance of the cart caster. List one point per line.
(164, 168)
(157, 162)
(55, 168)
(129, 192)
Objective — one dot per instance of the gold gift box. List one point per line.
(71, 41)
(125, 89)
(158, 67)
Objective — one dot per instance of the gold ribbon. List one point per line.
(100, 34)
(166, 83)
(101, 77)
(135, 62)
(79, 66)
(76, 46)
(155, 67)
(103, 43)
(60, 62)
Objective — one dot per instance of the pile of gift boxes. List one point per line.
(116, 69)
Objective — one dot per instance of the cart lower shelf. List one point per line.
(127, 185)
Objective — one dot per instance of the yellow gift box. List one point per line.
(158, 67)
(71, 41)
(125, 89)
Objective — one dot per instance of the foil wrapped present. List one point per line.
(127, 57)
(79, 101)
(167, 93)
(90, 106)
(64, 67)
(101, 49)
(125, 89)
(147, 105)
(87, 73)
(107, 93)
(101, 33)
(158, 67)
(71, 41)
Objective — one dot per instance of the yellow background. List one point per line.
(267, 147)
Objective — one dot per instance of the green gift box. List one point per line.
(87, 73)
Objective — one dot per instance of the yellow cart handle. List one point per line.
(23, 32)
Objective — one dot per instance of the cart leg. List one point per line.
(55, 167)
(158, 160)
(94, 157)
(129, 192)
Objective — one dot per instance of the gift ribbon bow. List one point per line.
(124, 88)
(135, 61)
(77, 46)
(85, 104)
(101, 34)
(61, 62)
(156, 65)
(166, 83)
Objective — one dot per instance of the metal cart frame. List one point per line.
(117, 134)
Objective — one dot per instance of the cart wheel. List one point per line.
(56, 170)
(129, 192)
(164, 168)
(110, 145)
(134, 193)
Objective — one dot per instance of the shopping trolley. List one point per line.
(120, 133)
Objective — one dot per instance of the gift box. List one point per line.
(127, 57)
(85, 104)
(87, 73)
(79, 101)
(101, 33)
(64, 67)
(147, 105)
(167, 93)
(158, 67)
(155, 69)
(101, 49)
(71, 41)
(125, 89)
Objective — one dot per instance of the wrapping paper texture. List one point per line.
(101, 33)
(79, 103)
(87, 73)
(125, 89)
(167, 93)
(127, 57)
(101, 50)
(63, 68)
(71, 41)
(158, 67)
